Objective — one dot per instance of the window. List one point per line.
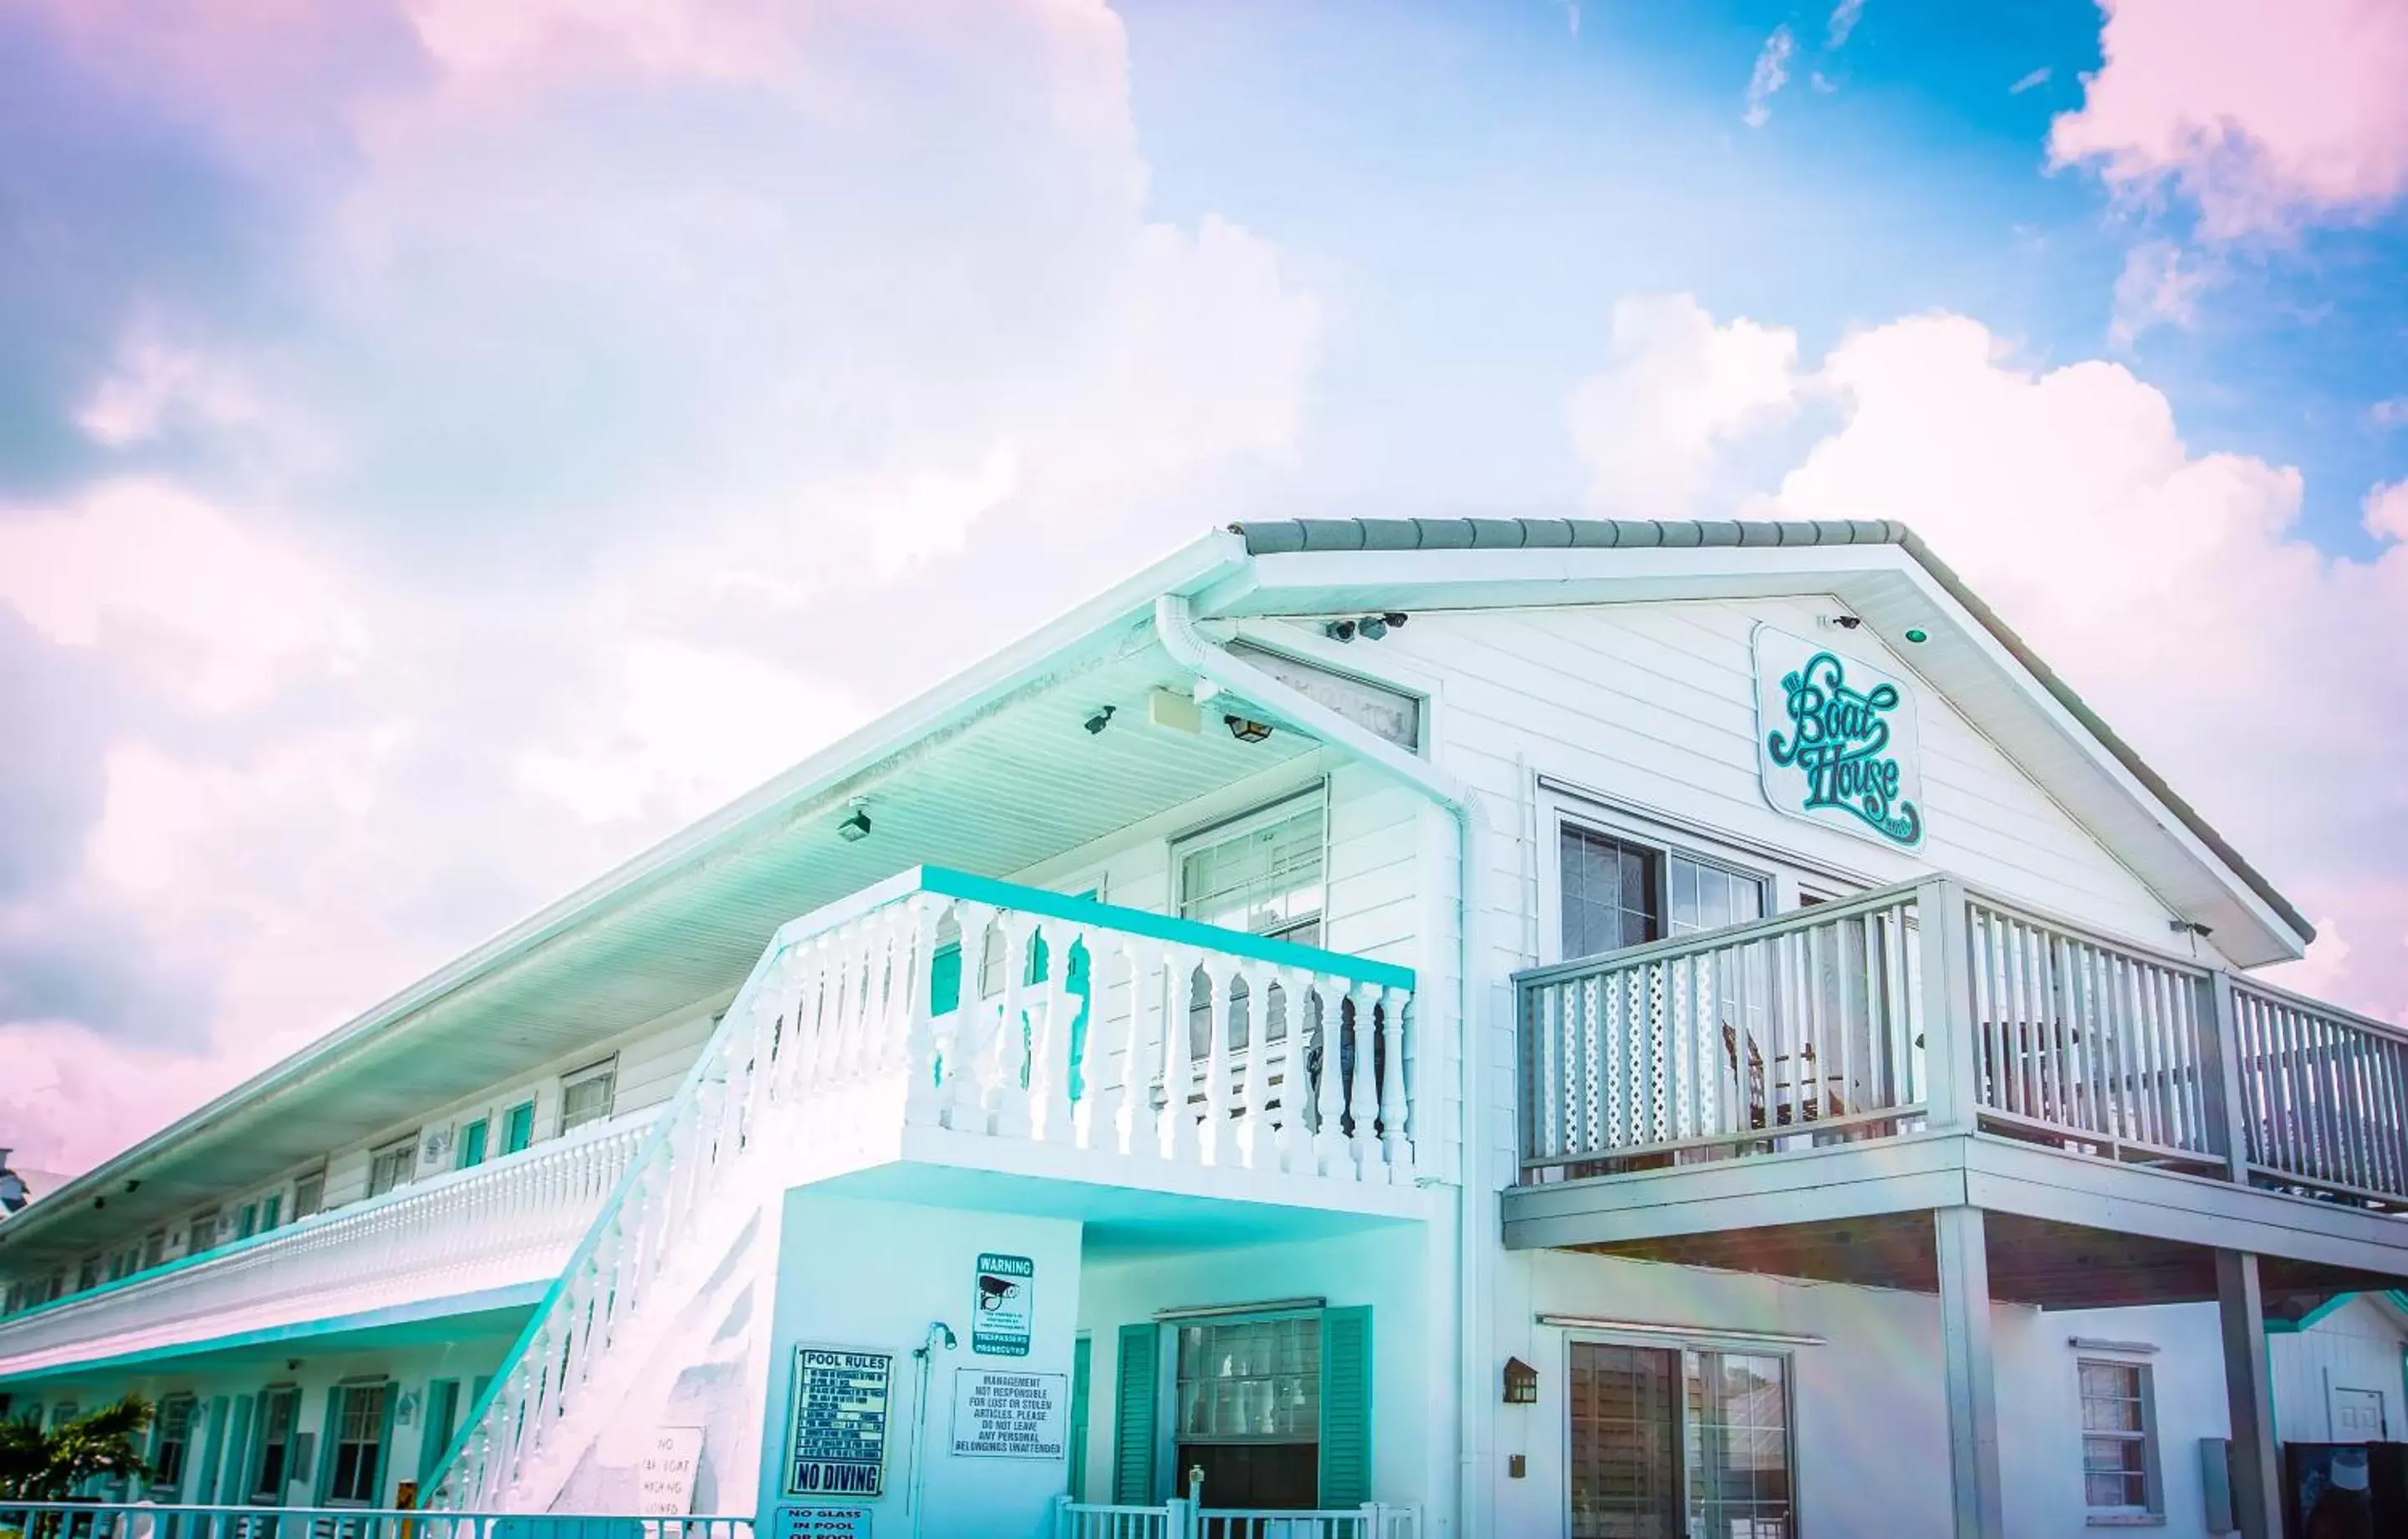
(280, 1408)
(308, 1194)
(1250, 1410)
(271, 1211)
(154, 1250)
(171, 1445)
(2119, 1455)
(88, 1273)
(472, 1142)
(1261, 874)
(1617, 893)
(585, 1095)
(389, 1166)
(246, 1222)
(517, 1127)
(1667, 1442)
(203, 1234)
(359, 1443)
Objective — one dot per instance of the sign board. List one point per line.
(665, 1476)
(823, 1523)
(1005, 1304)
(836, 1439)
(1001, 1414)
(1835, 740)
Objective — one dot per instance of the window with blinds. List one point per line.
(359, 1445)
(391, 1165)
(585, 1095)
(1262, 873)
(2118, 1437)
(1616, 892)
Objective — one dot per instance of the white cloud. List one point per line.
(2159, 286)
(2387, 511)
(1771, 72)
(694, 727)
(2264, 114)
(1679, 387)
(212, 608)
(2037, 78)
(2389, 414)
(1844, 17)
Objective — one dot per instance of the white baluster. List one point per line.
(1213, 1144)
(1296, 1085)
(1049, 1083)
(1357, 1103)
(966, 1064)
(1329, 1138)
(1138, 1125)
(1394, 1109)
(1253, 1133)
(1006, 1096)
(1178, 1072)
(922, 1106)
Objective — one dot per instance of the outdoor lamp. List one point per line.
(1521, 1383)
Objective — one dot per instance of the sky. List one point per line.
(448, 445)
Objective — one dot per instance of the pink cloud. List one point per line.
(2262, 113)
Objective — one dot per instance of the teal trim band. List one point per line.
(1161, 927)
(2285, 1328)
(441, 1312)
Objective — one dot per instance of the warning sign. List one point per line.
(1010, 1416)
(835, 1442)
(1005, 1306)
(823, 1523)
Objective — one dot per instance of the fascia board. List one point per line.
(1095, 623)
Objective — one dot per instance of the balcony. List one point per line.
(1927, 1046)
(490, 1237)
(947, 1037)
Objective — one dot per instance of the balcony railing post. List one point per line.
(2228, 1106)
(1950, 1064)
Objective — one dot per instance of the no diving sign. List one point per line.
(1005, 1306)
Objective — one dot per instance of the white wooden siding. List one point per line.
(2357, 1347)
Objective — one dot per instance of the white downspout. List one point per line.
(1475, 1221)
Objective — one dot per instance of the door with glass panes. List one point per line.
(1668, 1442)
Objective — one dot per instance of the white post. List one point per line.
(1973, 1395)
(2248, 1393)
(1254, 1135)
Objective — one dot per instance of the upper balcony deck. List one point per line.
(1715, 1097)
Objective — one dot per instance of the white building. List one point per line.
(1548, 1027)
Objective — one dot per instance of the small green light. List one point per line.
(1917, 635)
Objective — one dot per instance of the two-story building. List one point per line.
(1461, 1027)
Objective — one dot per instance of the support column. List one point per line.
(2248, 1394)
(1973, 1394)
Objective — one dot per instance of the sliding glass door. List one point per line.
(1672, 1443)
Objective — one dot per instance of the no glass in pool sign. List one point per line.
(1005, 1306)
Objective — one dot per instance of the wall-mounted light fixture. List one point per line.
(856, 826)
(1917, 634)
(1247, 730)
(1521, 1383)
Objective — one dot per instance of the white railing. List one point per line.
(1800, 1028)
(2323, 1095)
(943, 1001)
(149, 1520)
(512, 1221)
(2078, 1034)
(1185, 1519)
(1818, 1025)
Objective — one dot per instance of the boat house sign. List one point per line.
(1835, 740)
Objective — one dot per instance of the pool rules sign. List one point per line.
(1005, 1304)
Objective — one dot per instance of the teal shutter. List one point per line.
(1081, 1368)
(1345, 1408)
(1133, 1452)
(945, 979)
(205, 1493)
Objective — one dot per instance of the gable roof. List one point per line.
(1289, 536)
